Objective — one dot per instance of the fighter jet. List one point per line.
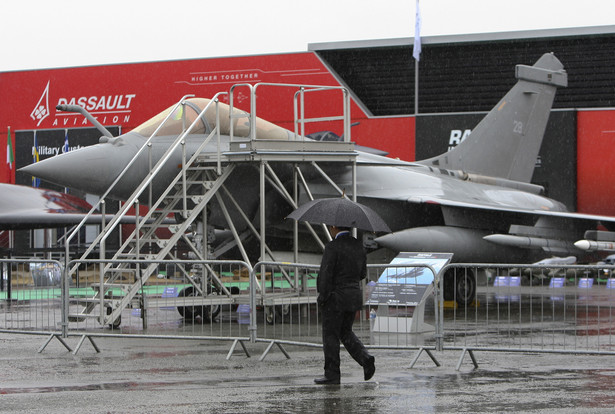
(27, 208)
(475, 201)
(23, 207)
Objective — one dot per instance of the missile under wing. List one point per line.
(475, 201)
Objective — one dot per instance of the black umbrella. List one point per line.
(340, 212)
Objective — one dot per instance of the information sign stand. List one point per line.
(402, 291)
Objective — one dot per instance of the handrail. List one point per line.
(241, 115)
(185, 166)
(121, 175)
(299, 118)
(133, 199)
(345, 117)
(156, 169)
(299, 101)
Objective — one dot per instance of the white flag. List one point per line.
(416, 53)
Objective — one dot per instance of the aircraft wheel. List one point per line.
(459, 285)
(207, 313)
(269, 315)
(190, 312)
(214, 310)
(282, 312)
(465, 288)
(276, 313)
(116, 323)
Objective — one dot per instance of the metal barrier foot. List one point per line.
(42, 348)
(433, 358)
(469, 351)
(235, 342)
(81, 343)
(271, 346)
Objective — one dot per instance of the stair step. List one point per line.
(128, 255)
(96, 286)
(142, 240)
(201, 167)
(85, 301)
(80, 317)
(122, 269)
(179, 196)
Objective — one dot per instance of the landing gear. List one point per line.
(207, 313)
(276, 314)
(117, 322)
(459, 285)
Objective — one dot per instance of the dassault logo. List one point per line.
(112, 109)
(100, 103)
(107, 109)
(41, 110)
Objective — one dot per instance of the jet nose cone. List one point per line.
(91, 169)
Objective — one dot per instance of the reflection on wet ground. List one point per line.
(164, 375)
(136, 375)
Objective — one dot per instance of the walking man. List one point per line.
(343, 266)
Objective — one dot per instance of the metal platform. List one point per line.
(201, 180)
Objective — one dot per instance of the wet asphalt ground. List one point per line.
(134, 375)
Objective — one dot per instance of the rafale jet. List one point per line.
(475, 201)
(24, 207)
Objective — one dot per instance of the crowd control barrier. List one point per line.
(418, 306)
(532, 308)
(31, 295)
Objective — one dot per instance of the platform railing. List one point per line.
(298, 104)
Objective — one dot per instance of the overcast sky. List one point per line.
(61, 33)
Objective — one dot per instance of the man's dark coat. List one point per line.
(342, 268)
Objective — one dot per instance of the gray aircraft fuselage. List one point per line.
(384, 187)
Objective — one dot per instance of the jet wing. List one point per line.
(39, 219)
(24, 207)
(509, 209)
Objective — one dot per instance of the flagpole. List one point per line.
(416, 53)
(9, 156)
(64, 151)
(416, 87)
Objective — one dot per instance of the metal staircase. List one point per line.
(186, 198)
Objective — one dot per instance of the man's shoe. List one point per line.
(369, 368)
(325, 381)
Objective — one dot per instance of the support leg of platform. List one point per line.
(235, 342)
(469, 351)
(418, 354)
(269, 349)
(62, 341)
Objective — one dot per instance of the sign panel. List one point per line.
(405, 285)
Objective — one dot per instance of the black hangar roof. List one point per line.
(471, 72)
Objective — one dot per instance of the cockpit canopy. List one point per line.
(184, 116)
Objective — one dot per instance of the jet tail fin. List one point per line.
(507, 140)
